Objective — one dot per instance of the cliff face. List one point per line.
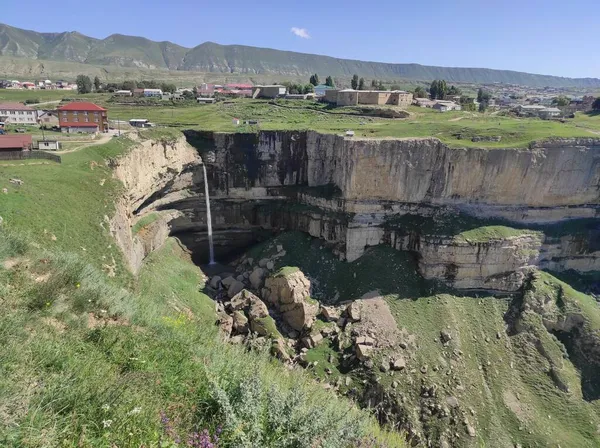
(348, 191)
(150, 169)
(549, 174)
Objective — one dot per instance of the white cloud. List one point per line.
(300, 32)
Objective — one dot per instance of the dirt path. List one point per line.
(105, 138)
(456, 119)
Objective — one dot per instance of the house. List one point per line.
(49, 145)
(123, 93)
(17, 113)
(424, 102)
(530, 110)
(445, 106)
(350, 97)
(206, 89)
(28, 85)
(271, 91)
(321, 90)
(138, 92)
(15, 143)
(82, 117)
(549, 112)
(153, 93)
(48, 118)
(201, 100)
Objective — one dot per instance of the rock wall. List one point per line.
(555, 173)
(148, 170)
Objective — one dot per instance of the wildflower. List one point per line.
(105, 407)
(135, 411)
(103, 311)
(77, 285)
(107, 423)
(47, 303)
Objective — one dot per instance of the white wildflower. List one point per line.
(105, 407)
(107, 423)
(135, 411)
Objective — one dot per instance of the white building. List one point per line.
(157, 93)
(444, 106)
(17, 113)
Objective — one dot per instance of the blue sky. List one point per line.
(549, 37)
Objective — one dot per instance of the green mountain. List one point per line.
(138, 52)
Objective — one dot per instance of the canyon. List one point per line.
(475, 219)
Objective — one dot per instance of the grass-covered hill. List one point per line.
(133, 51)
(93, 356)
(513, 369)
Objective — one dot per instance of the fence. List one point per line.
(24, 155)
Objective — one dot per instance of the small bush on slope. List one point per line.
(87, 363)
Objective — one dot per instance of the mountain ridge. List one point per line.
(122, 50)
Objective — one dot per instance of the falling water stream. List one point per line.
(208, 218)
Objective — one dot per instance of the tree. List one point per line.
(361, 84)
(395, 87)
(188, 95)
(308, 88)
(483, 106)
(84, 84)
(329, 81)
(168, 88)
(596, 104)
(434, 89)
(483, 96)
(314, 80)
(129, 85)
(561, 101)
(380, 86)
(373, 83)
(195, 92)
(354, 82)
(454, 91)
(97, 84)
(419, 92)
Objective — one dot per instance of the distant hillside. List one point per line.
(141, 53)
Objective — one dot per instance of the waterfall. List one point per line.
(208, 217)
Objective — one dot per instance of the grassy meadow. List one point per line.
(456, 128)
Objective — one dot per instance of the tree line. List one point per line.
(86, 85)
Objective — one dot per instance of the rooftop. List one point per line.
(14, 106)
(84, 106)
(15, 141)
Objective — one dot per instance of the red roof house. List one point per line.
(82, 117)
(15, 142)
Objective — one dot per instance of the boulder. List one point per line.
(257, 278)
(265, 326)
(353, 311)
(365, 340)
(363, 352)
(329, 313)
(240, 322)
(215, 282)
(289, 291)
(299, 315)
(258, 309)
(235, 288)
(240, 278)
(452, 401)
(239, 339)
(227, 281)
(270, 265)
(398, 364)
(263, 262)
(225, 323)
(279, 248)
(445, 336)
(312, 340)
(242, 300)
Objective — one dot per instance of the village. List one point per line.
(83, 117)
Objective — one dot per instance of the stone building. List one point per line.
(350, 97)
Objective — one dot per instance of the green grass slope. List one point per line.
(515, 382)
(90, 360)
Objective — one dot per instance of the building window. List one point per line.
(76, 120)
(64, 113)
(75, 114)
(86, 119)
(96, 119)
